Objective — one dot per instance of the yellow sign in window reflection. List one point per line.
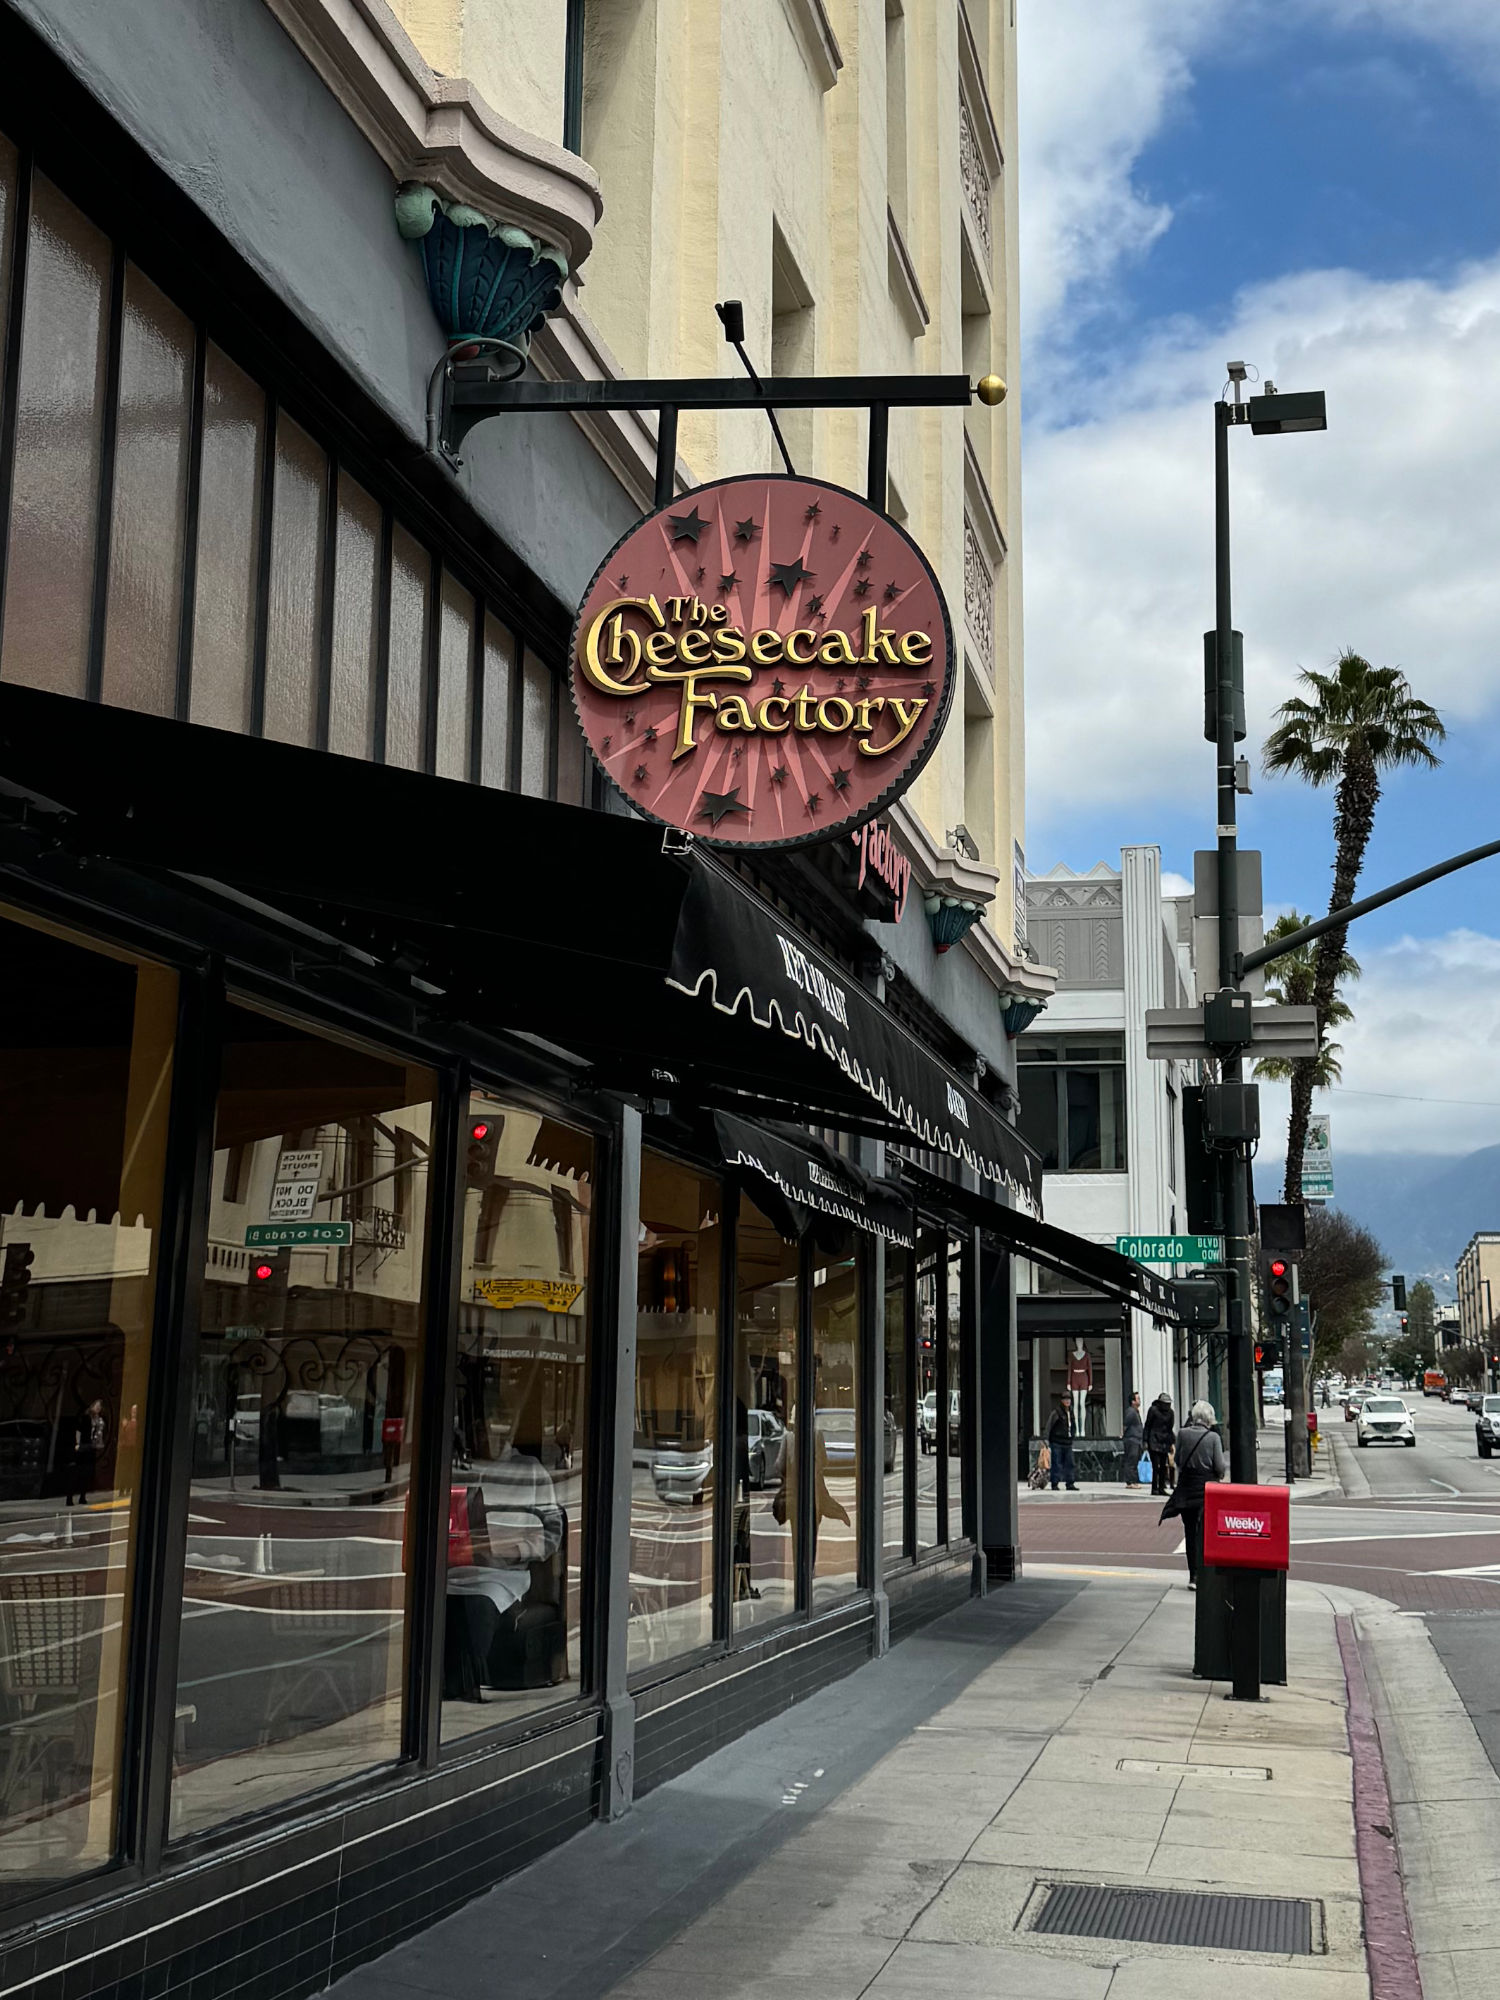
(555, 1295)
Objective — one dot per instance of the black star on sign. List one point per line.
(778, 687)
(892, 590)
(715, 806)
(861, 586)
(840, 779)
(686, 527)
(623, 580)
(744, 531)
(863, 681)
(607, 741)
(836, 530)
(789, 575)
(651, 733)
(863, 558)
(813, 512)
(814, 800)
(640, 773)
(779, 775)
(815, 604)
(842, 685)
(700, 573)
(929, 687)
(728, 581)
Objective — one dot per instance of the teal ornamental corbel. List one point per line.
(490, 284)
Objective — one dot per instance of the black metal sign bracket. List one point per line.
(466, 392)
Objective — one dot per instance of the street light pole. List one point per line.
(1241, 1369)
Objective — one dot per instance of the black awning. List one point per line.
(742, 958)
(1093, 1264)
(808, 1181)
(659, 968)
(1053, 1315)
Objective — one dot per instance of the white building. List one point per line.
(1107, 1123)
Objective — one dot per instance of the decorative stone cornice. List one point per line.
(438, 130)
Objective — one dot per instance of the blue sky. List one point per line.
(1319, 196)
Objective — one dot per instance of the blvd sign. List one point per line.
(1172, 1249)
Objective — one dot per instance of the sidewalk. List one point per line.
(894, 1834)
(1270, 1458)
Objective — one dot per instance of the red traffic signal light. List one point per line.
(1278, 1269)
(263, 1273)
(482, 1143)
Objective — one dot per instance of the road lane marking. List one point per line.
(1445, 1486)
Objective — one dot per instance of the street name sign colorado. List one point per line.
(765, 663)
(1172, 1249)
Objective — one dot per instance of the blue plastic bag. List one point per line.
(1143, 1470)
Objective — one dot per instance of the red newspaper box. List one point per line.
(1247, 1527)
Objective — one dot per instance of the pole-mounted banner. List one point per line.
(764, 663)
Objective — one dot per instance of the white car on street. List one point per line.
(1385, 1420)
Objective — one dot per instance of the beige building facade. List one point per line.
(1478, 1284)
(845, 169)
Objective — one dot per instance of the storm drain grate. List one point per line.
(1177, 1916)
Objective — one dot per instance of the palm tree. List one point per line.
(1360, 721)
(1290, 984)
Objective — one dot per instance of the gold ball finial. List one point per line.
(991, 390)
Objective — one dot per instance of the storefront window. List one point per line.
(953, 1430)
(835, 1345)
(897, 1415)
(85, 1074)
(765, 1409)
(929, 1424)
(676, 1390)
(311, 1315)
(516, 1523)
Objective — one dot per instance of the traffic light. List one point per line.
(1268, 1352)
(1398, 1297)
(1278, 1293)
(15, 1283)
(482, 1143)
(1403, 1322)
(265, 1286)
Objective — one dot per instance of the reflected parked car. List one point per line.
(927, 1421)
(1487, 1425)
(767, 1443)
(955, 1428)
(680, 1470)
(1352, 1403)
(836, 1431)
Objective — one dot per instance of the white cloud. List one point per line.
(1379, 533)
(1098, 83)
(1173, 884)
(1426, 1031)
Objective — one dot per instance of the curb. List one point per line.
(1389, 1951)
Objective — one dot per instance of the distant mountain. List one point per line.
(1422, 1207)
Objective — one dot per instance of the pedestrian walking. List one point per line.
(1161, 1429)
(1060, 1443)
(1135, 1443)
(1200, 1457)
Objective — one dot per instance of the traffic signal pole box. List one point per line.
(1241, 1613)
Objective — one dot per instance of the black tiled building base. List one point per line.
(925, 1592)
(280, 1916)
(684, 1719)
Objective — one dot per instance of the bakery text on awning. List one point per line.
(810, 1183)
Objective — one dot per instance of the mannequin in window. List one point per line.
(1080, 1379)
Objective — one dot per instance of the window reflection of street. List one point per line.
(765, 1388)
(676, 1390)
(85, 1069)
(295, 1582)
(835, 1341)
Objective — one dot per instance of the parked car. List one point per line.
(1385, 1420)
(767, 1443)
(680, 1469)
(1352, 1402)
(835, 1427)
(891, 1437)
(1487, 1425)
(955, 1428)
(927, 1421)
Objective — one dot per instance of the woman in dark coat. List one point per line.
(1200, 1457)
(1161, 1429)
(1135, 1444)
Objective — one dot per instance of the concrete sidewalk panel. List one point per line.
(1175, 1978)
(987, 1972)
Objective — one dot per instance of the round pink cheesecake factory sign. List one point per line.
(766, 662)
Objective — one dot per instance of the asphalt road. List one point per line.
(1419, 1527)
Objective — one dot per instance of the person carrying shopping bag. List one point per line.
(1200, 1457)
(1160, 1429)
